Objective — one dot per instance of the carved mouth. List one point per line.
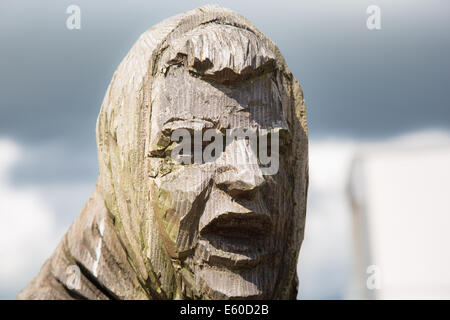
(236, 240)
(239, 226)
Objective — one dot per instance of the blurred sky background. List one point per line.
(361, 87)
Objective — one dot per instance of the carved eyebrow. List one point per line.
(193, 124)
(227, 76)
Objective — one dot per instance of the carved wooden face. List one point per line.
(224, 222)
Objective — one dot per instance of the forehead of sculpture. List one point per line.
(179, 96)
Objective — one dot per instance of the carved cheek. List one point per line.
(178, 200)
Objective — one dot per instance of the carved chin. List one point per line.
(228, 272)
(227, 284)
(253, 283)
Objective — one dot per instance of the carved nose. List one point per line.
(238, 181)
(238, 172)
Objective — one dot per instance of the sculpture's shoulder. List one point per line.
(88, 263)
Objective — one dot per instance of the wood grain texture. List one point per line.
(157, 229)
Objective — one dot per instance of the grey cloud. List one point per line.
(356, 82)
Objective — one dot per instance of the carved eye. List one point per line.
(285, 140)
(210, 148)
(190, 147)
(266, 139)
(200, 147)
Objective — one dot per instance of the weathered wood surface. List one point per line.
(156, 229)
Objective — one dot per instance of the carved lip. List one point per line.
(236, 240)
(239, 225)
(221, 252)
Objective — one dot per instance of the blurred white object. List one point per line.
(400, 195)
